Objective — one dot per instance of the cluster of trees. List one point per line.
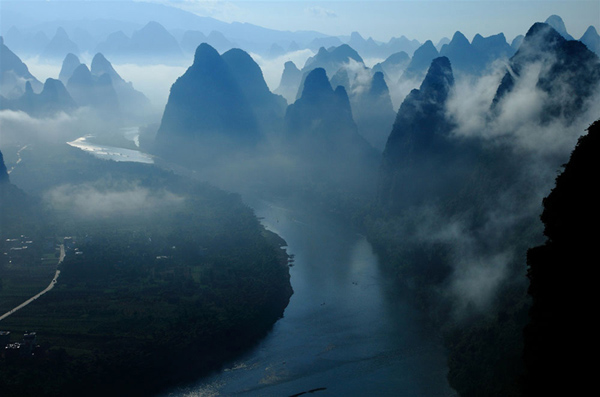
(147, 296)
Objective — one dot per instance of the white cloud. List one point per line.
(273, 68)
(94, 202)
(320, 12)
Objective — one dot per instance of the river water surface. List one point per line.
(345, 332)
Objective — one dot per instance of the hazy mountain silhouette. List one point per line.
(331, 60)
(372, 49)
(26, 43)
(293, 47)
(83, 39)
(96, 92)
(218, 41)
(358, 43)
(3, 171)
(115, 45)
(101, 65)
(154, 43)
(207, 109)
(393, 66)
(476, 57)
(422, 57)
(70, 63)
(275, 51)
(320, 130)
(268, 108)
(491, 48)
(108, 18)
(591, 39)
(558, 24)
(570, 77)
(561, 291)
(401, 44)
(290, 81)
(414, 162)
(52, 99)
(373, 111)
(59, 46)
(341, 78)
(132, 102)
(443, 41)
(516, 43)
(464, 57)
(14, 73)
(324, 42)
(16, 211)
(191, 40)
(368, 48)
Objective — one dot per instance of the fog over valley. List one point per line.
(287, 198)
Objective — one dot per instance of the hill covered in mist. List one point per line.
(441, 156)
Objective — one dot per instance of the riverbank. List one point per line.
(161, 291)
(346, 329)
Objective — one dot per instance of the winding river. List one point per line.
(346, 330)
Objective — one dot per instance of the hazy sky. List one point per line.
(421, 20)
(382, 20)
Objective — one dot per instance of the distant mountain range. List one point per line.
(14, 73)
(421, 141)
(100, 88)
(159, 33)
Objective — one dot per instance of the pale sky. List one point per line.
(421, 20)
(383, 19)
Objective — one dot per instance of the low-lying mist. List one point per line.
(272, 68)
(102, 200)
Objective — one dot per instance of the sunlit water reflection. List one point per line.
(111, 152)
(346, 330)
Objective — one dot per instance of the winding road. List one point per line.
(48, 288)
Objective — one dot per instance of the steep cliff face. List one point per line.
(268, 108)
(97, 92)
(153, 43)
(59, 46)
(417, 68)
(321, 132)
(14, 73)
(569, 73)
(207, 109)
(591, 39)
(53, 99)
(478, 56)
(562, 293)
(133, 103)
(321, 116)
(290, 81)
(418, 143)
(3, 171)
(70, 63)
(373, 111)
(331, 60)
(393, 66)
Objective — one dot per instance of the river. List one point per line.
(114, 153)
(346, 330)
(344, 333)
